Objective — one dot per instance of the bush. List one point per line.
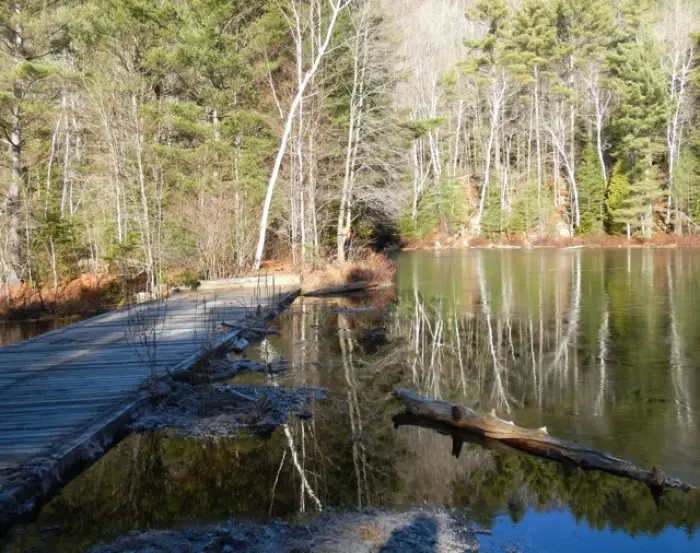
(372, 268)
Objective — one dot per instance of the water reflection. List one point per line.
(13, 332)
(158, 481)
(503, 480)
(599, 346)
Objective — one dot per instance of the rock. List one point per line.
(418, 530)
(238, 344)
(563, 230)
(277, 366)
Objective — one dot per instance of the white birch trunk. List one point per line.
(17, 173)
(496, 99)
(336, 7)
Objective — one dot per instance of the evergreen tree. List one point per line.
(493, 14)
(30, 33)
(640, 114)
(139, 133)
(532, 51)
(588, 27)
(686, 193)
(532, 46)
(591, 192)
(486, 64)
(494, 221)
(526, 217)
(620, 216)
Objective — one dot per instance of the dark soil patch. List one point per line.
(199, 407)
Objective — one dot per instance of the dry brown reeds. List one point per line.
(372, 268)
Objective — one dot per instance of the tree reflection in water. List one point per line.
(599, 346)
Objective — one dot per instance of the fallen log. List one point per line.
(257, 330)
(339, 289)
(534, 441)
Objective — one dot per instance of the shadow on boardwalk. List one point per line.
(66, 396)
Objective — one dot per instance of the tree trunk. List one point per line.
(359, 53)
(336, 7)
(17, 174)
(66, 159)
(342, 230)
(146, 235)
(416, 181)
(464, 424)
(538, 150)
(681, 66)
(497, 96)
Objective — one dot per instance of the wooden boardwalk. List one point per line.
(63, 387)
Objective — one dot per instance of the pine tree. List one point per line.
(641, 112)
(532, 46)
(494, 221)
(526, 217)
(619, 215)
(493, 14)
(30, 33)
(487, 67)
(532, 51)
(591, 192)
(588, 26)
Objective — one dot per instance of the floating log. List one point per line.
(339, 289)
(534, 441)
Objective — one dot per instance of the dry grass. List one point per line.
(600, 241)
(372, 268)
(85, 295)
(606, 241)
(368, 532)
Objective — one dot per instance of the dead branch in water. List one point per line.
(534, 441)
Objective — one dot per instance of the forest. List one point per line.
(146, 137)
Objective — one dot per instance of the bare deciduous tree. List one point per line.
(336, 6)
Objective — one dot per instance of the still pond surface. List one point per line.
(600, 346)
(13, 332)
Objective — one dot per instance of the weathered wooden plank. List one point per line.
(76, 385)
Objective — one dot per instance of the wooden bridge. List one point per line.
(65, 395)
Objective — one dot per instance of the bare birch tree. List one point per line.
(336, 6)
(680, 18)
(496, 98)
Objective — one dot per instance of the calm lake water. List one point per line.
(600, 346)
(12, 332)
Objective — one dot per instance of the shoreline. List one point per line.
(88, 296)
(519, 243)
